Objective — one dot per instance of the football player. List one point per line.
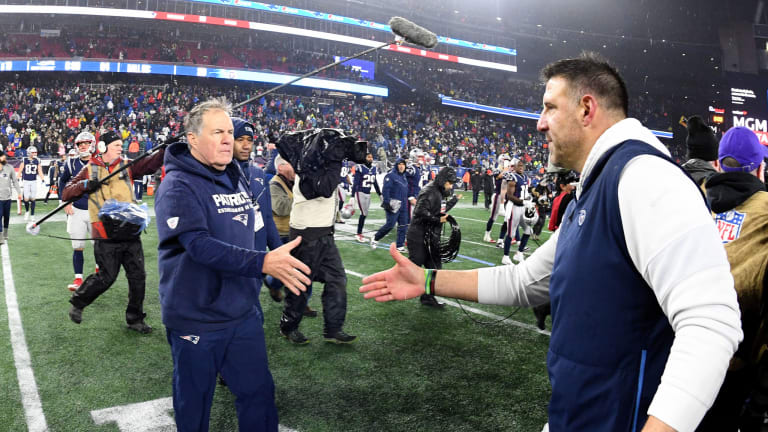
(365, 177)
(78, 219)
(30, 170)
(498, 200)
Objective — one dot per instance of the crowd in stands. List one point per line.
(481, 86)
(50, 115)
(278, 54)
(164, 46)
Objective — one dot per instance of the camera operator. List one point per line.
(317, 156)
(424, 231)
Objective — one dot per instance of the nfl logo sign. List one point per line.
(729, 225)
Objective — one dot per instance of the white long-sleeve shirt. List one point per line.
(674, 244)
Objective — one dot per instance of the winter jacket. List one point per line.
(209, 271)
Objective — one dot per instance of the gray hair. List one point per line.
(193, 122)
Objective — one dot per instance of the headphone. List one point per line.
(101, 147)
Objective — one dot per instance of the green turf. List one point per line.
(412, 368)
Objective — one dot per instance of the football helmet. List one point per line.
(347, 211)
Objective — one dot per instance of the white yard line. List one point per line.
(497, 317)
(493, 246)
(30, 398)
(354, 273)
(150, 416)
(477, 311)
(494, 222)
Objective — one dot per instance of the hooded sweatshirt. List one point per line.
(8, 181)
(395, 185)
(209, 272)
(729, 190)
(697, 296)
(740, 203)
(266, 230)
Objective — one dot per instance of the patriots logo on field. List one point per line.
(172, 222)
(242, 218)
(729, 225)
(192, 338)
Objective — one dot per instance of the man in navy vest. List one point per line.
(642, 333)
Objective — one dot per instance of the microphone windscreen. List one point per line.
(412, 33)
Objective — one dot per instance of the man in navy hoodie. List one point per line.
(266, 230)
(210, 276)
(394, 201)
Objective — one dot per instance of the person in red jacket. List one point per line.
(567, 184)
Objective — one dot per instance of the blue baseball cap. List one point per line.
(743, 145)
(242, 127)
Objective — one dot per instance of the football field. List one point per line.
(412, 368)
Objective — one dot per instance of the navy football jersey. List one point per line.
(365, 177)
(413, 175)
(344, 179)
(521, 186)
(31, 166)
(426, 173)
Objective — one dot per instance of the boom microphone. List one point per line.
(404, 30)
(412, 33)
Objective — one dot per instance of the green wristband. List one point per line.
(429, 281)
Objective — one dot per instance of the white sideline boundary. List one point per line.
(149, 416)
(30, 398)
(477, 311)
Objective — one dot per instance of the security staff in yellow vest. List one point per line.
(281, 195)
(111, 252)
(281, 191)
(740, 206)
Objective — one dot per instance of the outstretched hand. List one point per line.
(402, 282)
(292, 272)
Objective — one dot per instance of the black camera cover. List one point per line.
(316, 156)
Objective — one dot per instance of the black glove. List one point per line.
(90, 186)
(385, 205)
